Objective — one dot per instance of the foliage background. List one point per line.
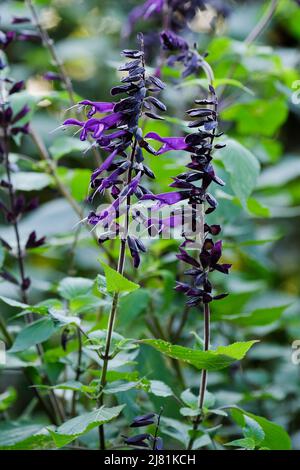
(261, 235)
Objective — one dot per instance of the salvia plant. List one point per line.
(141, 305)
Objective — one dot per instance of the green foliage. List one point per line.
(69, 301)
(115, 282)
(217, 359)
(77, 427)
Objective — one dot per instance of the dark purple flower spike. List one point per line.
(114, 126)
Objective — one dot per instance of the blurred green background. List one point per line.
(259, 207)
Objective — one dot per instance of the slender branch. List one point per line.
(182, 324)
(157, 429)
(114, 307)
(263, 23)
(78, 371)
(49, 44)
(253, 36)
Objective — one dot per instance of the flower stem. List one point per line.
(49, 44)
(203, 381)
(78, 371)
(263, 23)
(115, 302)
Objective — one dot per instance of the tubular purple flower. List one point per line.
(170, 143)
(97, 107)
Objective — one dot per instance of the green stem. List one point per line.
(115, 302)
(203, 381)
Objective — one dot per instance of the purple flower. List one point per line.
(52, 76)
(28, 36)
(18, 86)
(143, 420)
(94, 126)
(149, 8)
(20, 20)
(97, 107)
(33, 241)
(167, 198)
(169, 143)
(172, 42)
(6, 38)
(138, 441)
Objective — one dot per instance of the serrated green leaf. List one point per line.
(76, 427)
(218, 359)
(115, 282)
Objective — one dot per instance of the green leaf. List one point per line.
(79, 183)
(65, 145)
(76, 427)
(160, 389)
(222, 357)
(24, 437)
(218, 82)
(259, 317)
(276, 438)
(30, 181)
(72, 287)
(35, 333)
(253, 430)
(245, 443)
(242, 166)
(13, 303)
(132, 305)
(7, 398)
(115, 282)
(257, 208)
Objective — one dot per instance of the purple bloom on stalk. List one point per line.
(94, 126)
(52, 76)
(97, 107)
(143, 420)
(149, 8)
(6, 38)
(167, 198)
(138, 441)
(169, 143)
(119, 134)
(172, 42)
(20, 20)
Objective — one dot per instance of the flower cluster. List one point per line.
(146, 440)
(177, 12)
(192, 187)
(13, 124)
(118, 133)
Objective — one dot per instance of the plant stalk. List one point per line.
(115, 302)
